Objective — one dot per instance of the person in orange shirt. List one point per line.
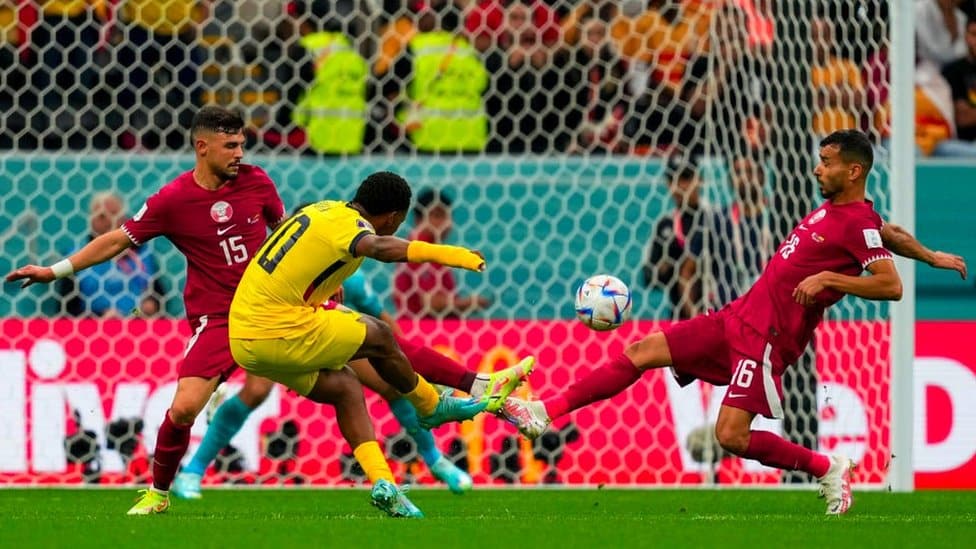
(837, 85)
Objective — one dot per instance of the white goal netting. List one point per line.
(569, 135)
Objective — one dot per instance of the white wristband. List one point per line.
(63, 268)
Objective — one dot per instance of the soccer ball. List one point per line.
(603, 302)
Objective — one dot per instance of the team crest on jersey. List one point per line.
(816, 217)
(221, 212)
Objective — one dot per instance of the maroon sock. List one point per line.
(171, 443)
(775, 451)
(437, 368)
(602, 383)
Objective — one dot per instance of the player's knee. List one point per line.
(346, 388)
(380, 337)
(183, 414)
(255, 391)
(649, 352)
(732, 438)
(336, 387)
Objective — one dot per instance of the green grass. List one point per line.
(501, 519)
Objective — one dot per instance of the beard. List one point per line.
(225, 174)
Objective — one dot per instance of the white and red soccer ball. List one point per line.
(603, 302)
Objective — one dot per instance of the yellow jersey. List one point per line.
(301, 264)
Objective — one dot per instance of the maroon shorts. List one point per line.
(207, 352)
(722, 350)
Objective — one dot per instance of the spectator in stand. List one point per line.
(332, 111)
(397, 25)
(64, 39)
(58, 57)
(661, 45)
(438, 85)
(128, 285)
(702, 255)
(487, 26)
(961, 75)
(427, 290)
(527, 87)
(940, 28)
(158, 69)
(596, 78)
(677, 243)
(935, 128)
(838, 89)
(14, 94)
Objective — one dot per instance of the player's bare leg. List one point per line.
(227, 420)
(533, 417)
(391, 364)
(342, 389)
(192, 394)
(733, 432)
(457, 480)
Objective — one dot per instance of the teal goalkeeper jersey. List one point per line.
(359, 295)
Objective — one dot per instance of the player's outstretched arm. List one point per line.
(392, 249)
(98, 250)
(883, 283)
(901, 242)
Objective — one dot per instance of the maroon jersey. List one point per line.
(218, 232)
(843, 239)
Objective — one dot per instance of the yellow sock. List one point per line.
(371, 459)
(423, 397)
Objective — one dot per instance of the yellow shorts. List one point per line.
(295, 362)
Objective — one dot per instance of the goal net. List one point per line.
(670, 144)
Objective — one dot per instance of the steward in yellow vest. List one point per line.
(446, 111)
(333, 110)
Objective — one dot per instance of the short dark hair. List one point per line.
(383, 192)
(428, 198)
(216, 119)
(855, 147)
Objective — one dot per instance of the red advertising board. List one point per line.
(68, 386)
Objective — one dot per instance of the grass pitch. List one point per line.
(500, 519)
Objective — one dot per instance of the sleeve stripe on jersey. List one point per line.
(132, 238)
(355, 240)
(873, 258)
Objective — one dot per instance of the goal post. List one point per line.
(904, 426)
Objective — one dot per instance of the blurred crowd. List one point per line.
(568, 76)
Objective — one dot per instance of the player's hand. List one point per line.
(952, 262)
(31, 274)
(484, 263)
(806, 291)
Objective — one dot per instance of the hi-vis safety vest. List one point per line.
(446, 111)
(333, 109)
